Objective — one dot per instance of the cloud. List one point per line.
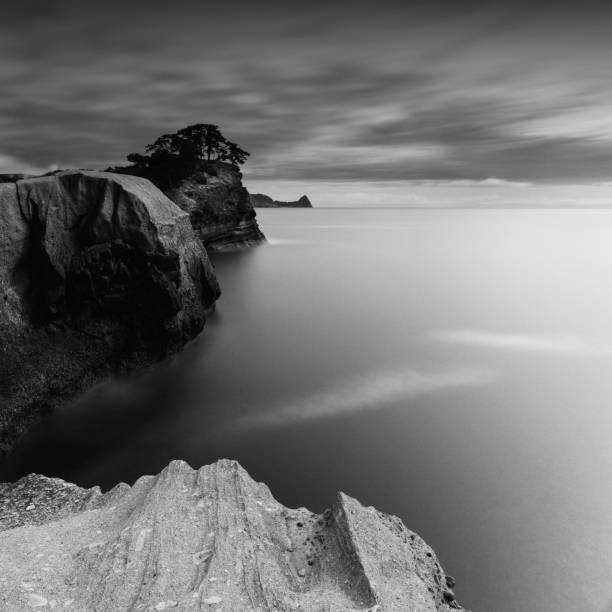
(562, 344)
(316, 92)
(371, 392)
(488, 182)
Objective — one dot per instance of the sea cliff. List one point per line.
(207, 539)
(219, 206)
(99, 273)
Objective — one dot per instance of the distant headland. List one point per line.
(260, 200)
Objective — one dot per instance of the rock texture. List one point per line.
(211, 539)
(99, 273)
(260, 200)
(219, 207)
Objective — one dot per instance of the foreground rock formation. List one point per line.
(99, 273)
(211, 539)
(260, 200)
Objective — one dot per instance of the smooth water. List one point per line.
(452, 367)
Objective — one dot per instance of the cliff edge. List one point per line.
(211, 539)
(99, 273)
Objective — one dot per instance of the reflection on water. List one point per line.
(372, 391)
(450, 367)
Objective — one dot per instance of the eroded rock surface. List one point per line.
(99, 273)
(219, 206)
(260, 200)
(211, 539)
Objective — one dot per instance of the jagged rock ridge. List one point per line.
(99, 273)
(211, 539)
(260, 200)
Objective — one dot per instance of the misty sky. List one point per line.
(317, 91)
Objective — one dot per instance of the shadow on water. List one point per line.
(107, 418)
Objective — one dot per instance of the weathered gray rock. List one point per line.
(99, 273)
(211, 539)
(219, 206)
(260, 200)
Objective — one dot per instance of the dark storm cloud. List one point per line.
(369, 91)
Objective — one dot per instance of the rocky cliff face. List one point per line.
(219, 207)
(211, 539)
(260, 200)
(99, 273)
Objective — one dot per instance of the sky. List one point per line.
(370, 98)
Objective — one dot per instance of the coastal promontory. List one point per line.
(219, 206)
(260, 200)
(199, 169)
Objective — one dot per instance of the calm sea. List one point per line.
(452, 367)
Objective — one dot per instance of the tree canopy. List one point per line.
(202, 141)
(173, 156)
